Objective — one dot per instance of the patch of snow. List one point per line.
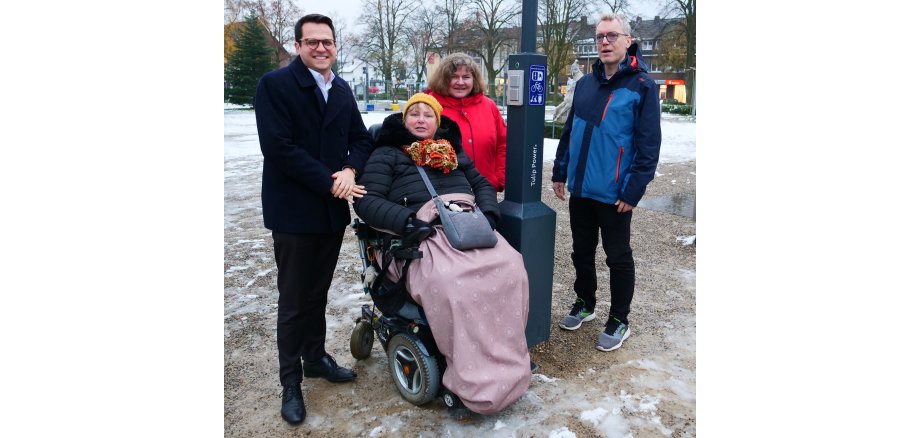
(680, 388)
(687, 240)
(643, 403)
(593, 416)
(610, 422)
(678, 136)
(563, 432)
(544, 379)
(645, 364)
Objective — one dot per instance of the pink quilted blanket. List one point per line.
(476, 302)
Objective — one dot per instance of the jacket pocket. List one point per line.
(616, 178)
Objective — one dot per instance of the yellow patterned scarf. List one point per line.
(436, 154)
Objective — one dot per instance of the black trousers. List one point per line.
(305, 263)
(586, 217)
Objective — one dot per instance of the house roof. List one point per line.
(351, 67)
(651, 29)
(281, 54)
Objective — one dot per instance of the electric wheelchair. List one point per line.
(395, 319)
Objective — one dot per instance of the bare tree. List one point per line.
(686, 26)
(559, 29)
(233, 13)
(671, 53)
(452, 14)
(491, 20)
(386, 29)
(616, 6)
(279, 17)
(345, 41)
(420, 38)
(233, 10)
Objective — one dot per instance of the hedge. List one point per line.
(677, 109)
(551, 128)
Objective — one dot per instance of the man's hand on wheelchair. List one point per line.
(416, 230)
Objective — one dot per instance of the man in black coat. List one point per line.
(315, 144)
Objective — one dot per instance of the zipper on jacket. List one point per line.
(616, 179)
(604, 114)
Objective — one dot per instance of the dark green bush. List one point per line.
(677, 109)
(401, 94)
(552, 99)
(552, 129)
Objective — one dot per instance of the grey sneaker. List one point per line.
(580, 313)
(613, 336)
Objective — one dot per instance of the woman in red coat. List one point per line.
(458, 86)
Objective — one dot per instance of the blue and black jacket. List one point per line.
(612, 136)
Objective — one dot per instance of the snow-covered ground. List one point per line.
(646, 389)
(678, 142)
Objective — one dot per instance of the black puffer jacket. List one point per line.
(395, 190)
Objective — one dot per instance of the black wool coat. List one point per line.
(395, 190)
(304, 141)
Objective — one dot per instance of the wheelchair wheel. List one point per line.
(362, 340)
(416, 375)
(452, 401)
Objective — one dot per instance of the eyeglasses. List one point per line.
(611, 37)
(311, 43)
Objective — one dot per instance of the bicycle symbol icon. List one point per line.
(537, 87)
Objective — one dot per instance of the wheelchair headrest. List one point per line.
(374, 130)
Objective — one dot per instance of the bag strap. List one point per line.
(389, 256)
(434, 194)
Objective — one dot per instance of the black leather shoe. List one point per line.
(292, 408)
(327, 368)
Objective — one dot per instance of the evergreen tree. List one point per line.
(251, 59)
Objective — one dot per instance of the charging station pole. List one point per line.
(527, 223)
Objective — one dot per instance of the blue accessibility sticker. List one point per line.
(537, 85)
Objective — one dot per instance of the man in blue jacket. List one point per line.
(608, 153)
(314, 143)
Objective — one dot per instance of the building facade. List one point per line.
(648, 34)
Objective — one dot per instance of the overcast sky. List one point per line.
(351, 9)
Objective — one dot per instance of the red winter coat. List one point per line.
(485, 144)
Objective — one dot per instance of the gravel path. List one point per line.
(646, 389)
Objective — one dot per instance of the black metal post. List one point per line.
(527, 223)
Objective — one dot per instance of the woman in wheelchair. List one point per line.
(476, 301)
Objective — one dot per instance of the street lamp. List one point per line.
(693, 109)
(364, 68)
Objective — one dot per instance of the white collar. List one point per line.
(319, 77)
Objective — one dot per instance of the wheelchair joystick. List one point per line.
(414, 235)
